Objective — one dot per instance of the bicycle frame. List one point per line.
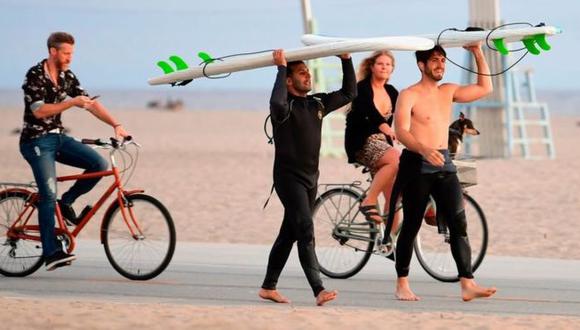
(355, 184)
(17, 230)
(351, 230)
(343, 233)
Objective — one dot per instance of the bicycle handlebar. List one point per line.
(114, 143)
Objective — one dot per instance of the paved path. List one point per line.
(221, 274)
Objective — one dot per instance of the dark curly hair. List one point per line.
(424, 55)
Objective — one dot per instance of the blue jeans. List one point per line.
(42, 154)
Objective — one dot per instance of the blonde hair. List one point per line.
(364, 69)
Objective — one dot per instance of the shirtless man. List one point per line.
(422, 119)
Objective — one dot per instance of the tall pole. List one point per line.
(491, 113)
(318, 81)
(307, 16)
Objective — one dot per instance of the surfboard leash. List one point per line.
(208, 60)
(499, 46)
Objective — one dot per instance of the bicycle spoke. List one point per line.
(433, 249)
(340, 236)
(334, 208)
(147, 254)
(18, 257)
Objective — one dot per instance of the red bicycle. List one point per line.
(137, 230)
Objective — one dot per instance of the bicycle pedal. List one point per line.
(385, 250)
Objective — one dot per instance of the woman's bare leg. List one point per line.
(388, 187)
(386, 170)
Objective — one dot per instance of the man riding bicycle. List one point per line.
(43, 143)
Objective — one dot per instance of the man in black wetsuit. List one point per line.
(297, 122)
(421, 124)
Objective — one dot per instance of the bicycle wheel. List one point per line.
(145, 253)
(18, 257)
(344, 239)
(434, 252)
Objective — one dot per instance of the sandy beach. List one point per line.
(105, 315)
(213, 170)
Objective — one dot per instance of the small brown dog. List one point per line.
(457, 130)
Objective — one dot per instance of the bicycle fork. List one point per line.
(129, 217)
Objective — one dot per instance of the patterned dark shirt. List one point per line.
(39, 90)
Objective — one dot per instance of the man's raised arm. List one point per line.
(483, 87)
(279, 98)
(348, 91)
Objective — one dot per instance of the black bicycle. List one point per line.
(345, 240)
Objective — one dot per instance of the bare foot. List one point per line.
(470, 290)
(325, 296)
(273, 295)
(403, 291)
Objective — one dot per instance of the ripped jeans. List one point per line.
(42, 153)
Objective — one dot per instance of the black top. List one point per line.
(364, 119)
(297, 124)
(38, 90)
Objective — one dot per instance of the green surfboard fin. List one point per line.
(205, 57)
(542, 42)
(500, 46)
(531, 46)
(179, 62)
(165, 67)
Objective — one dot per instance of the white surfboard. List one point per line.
(530, 36)
(248, 62)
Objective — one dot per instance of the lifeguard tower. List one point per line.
(511, 120)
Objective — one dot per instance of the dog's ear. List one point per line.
(461, 116)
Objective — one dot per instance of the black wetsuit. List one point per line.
(297, 124)
(416, 180)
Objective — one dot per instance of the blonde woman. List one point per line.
(369, 135)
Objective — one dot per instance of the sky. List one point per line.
(118, 42)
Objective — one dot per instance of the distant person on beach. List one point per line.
(43, 143)
(422, 120)
(297, 122)
(369, 135)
